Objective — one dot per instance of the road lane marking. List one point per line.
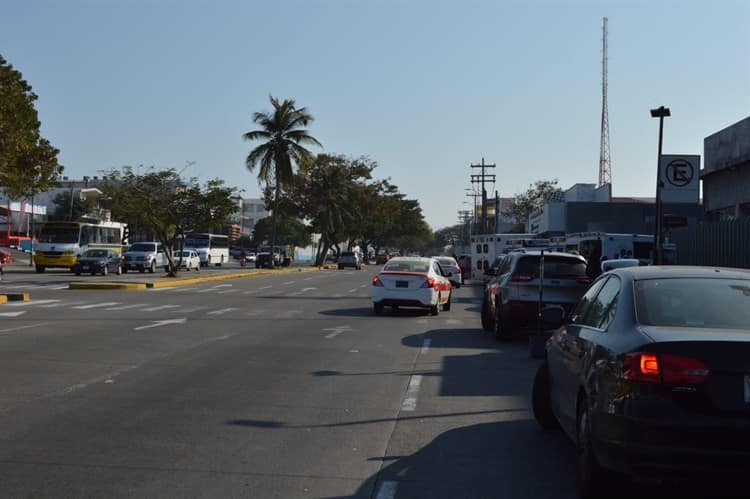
(96, 305)
(58, 287)
(363, 286)
(161, 323)
(180, 289)
(188, 310)
(28, 326)
(338, 296)
(62, 304)
(421, 321)
(410, 401)
(307, 279)
(387, 490)
(12, 314)
(251, 292)
(335, 331)
(227, 291)
(454, 322)
(222, 311)
(126, 307)
(352, 290)
(425, 346)
(30, 302)
(223, 286)
(288, 282)
(265, 287)
(159, 307)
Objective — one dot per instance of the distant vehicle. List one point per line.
(350, 259)
(190, 260)
(60, 243)
(451, 270)
(650, 376)
(486, 247)
(96, 261)
(411, 282)
(510, 306)
(464, 261)
(595, 245)
(142, 256)
(213, 249)
(283, 256)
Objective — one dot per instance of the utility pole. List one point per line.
(482, 179)
(473, 195)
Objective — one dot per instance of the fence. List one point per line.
(721, 244)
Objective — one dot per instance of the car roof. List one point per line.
(548, 253)
(673, 271)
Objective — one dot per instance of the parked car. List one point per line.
(650, 375)
(451, 270)
(511, 298)
(97, 261)
(350, 259)
(144, 256)
(190, 260)
(411, 282)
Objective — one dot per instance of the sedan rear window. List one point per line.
(694, 302)
(407, 266)
(554, 267)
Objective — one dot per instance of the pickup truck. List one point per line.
(144, 256)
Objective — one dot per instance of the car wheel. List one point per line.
(198, 268)
(593, 480)
(220, 261)
(487, 324)
(378, 308)
(541, 402)
(447, 305)
(119, 270)
(208, 261)
(105, 270)
(435, 309)
(152, 268)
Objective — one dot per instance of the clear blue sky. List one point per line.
(422, 87)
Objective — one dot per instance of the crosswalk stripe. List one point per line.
(222, 311)
(159, 307)
(97, 305)
(127, 307)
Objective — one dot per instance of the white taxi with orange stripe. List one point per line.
(411, 282)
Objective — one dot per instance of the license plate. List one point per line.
(402, 284)
(747, 388)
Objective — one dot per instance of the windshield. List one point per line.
(694, 302)
(196, 242)
(59, 235)
(407, 266)
(447, 261)
(143, 247)
(95, 254)
(554, 266)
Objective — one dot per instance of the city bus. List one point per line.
(211, 248)
(611, 246)
(60, 243)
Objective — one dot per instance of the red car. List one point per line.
(4, 256)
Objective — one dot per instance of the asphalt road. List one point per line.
(272, 386)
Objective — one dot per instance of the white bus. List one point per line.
(211, 248)
(486, 247)
(60, 243)
(600, 245)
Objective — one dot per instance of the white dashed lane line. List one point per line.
(159, 307)
(31, 302)
(127, 307)
(425, 346)
(222, 311)
(410, 400)
(96, 305)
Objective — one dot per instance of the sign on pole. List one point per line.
(680, 178)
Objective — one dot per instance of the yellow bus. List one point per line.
(60, 243)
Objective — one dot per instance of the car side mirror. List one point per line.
(553, 317)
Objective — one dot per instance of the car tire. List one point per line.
(594, 482)
(152, 267)
(435, 309)
(198, 268)
(378, 308)
(208, 260)
(487, 324)
(105, 270)
(447, 305)
(119, 270)
(541, 402)
(221, 261)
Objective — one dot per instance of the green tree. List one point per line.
(68, 207)
(536, 196)
(284, 136)
(168, 206)
(288, 231)
(28, 162)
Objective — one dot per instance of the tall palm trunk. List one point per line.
(273, 218)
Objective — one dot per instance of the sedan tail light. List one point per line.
(430, 282)
(664, 368)
(377, 282)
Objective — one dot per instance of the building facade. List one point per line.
(726, 173)
(251, 210)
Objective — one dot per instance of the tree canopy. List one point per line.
(28, 162)
(536, 196)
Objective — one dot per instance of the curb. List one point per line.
(14, 297)
(140, 286)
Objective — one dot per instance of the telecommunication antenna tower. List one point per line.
(605, 162)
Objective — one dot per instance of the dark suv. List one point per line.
(511, 297)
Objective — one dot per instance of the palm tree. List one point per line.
(284, 137)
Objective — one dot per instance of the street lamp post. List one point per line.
(661, 113)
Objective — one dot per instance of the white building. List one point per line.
(251, 210)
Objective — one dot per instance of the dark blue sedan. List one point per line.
(96, 261)
(650, 375)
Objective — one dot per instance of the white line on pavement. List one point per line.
(223, 286)
(363, 286)
(180, 289)
(28, 326)
(335, 331)
(188, 310)
(454, 322)
(62, 304)
(352, 290)
(338, 296)
(12, 314)
(222, 311)
(58, 287)
(308, 279)
(31, 302)
(425, 346)
(97, 305)
(251, 292)
(161, 323)
(265, 287)
(410, 401)
(288, 282)
(227, 291)
(387, 490)
(160, 307)
(126, 307)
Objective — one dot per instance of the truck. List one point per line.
(147, 255)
